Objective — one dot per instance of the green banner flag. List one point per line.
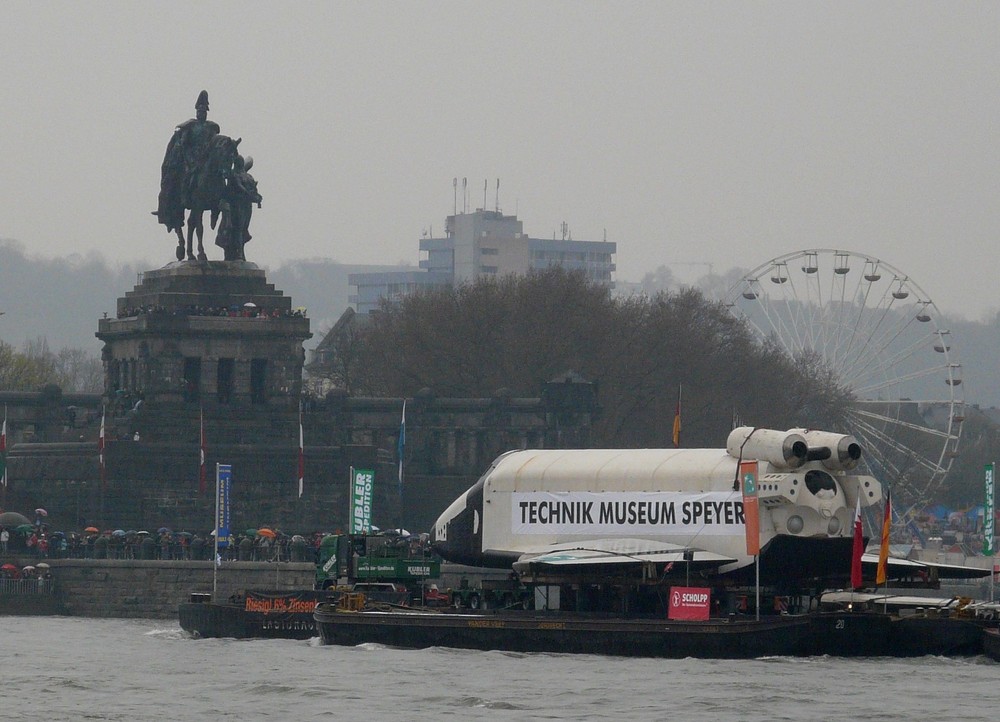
(362, 488)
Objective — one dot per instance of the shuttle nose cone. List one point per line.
(455, 535)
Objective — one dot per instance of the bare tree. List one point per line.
(518, 332)
(73, 370)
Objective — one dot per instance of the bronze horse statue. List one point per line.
(197, 184)
(204, 190)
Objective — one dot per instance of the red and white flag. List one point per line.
(859, 548)
(3, 449)
(302, 458)
(100, 449)
(201, 452)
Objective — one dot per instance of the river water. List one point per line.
(61, 668)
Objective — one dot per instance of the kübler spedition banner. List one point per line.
(620, 513)
(362, 490)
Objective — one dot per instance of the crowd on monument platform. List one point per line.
(247, 310)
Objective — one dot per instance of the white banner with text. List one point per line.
(618, 513)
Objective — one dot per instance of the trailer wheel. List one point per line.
(473, 601)
(456, 601)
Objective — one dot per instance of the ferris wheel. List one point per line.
(877, 332)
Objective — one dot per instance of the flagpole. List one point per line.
(3, 460)
(101, 446)
(201, 451)
(882, 572)
(402, 449)
(989, 519)
(857, 549)
(756, 559)
(677, 419)
(215, 558)
(302, 458)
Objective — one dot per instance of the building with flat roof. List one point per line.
(484, 243)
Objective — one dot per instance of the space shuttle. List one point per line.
(594, 511)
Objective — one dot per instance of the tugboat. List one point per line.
(913, 626)
(379, 564)
(275, 615)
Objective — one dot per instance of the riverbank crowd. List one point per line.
(264, 544)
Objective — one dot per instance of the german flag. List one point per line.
(883, 552)
(677, 421)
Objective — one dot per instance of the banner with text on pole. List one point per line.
(751, 513)
(223, 483)
(989, 510)
(362, 490)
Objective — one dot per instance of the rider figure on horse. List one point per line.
(183, 161)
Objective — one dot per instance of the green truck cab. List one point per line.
(357, 559)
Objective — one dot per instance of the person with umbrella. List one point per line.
(4, 539)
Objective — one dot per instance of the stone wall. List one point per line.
(154, 589)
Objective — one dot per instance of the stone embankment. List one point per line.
(154, 589)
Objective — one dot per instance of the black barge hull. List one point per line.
(266, 615)
(834, 634)
(991, 644)
(717, 639)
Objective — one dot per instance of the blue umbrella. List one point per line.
(118, 532)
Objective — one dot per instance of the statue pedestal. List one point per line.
(205, 332)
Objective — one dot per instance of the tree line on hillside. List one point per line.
(36, 366)
(518, 332)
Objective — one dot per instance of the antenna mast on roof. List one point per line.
(497, 209)
(465, 195)
(485, 183)
(454, 185)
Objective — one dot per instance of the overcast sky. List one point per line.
(691, 133)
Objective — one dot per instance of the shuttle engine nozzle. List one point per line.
(782, 449)
(838, 452)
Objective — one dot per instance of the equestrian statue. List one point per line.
(202, 171)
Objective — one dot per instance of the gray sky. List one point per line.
(723, 133)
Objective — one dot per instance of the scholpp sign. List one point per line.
(690, 603)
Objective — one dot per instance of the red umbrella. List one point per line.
(92, 530)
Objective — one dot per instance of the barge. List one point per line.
(728, 638)
(833, 633)
(255, 614)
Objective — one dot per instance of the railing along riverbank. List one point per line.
(148, 588)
